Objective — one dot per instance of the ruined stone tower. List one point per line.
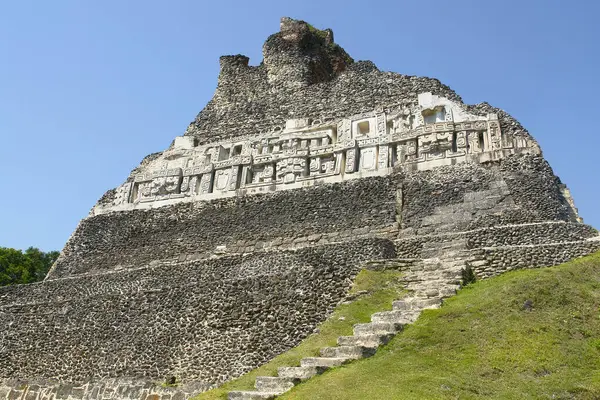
(231, 245)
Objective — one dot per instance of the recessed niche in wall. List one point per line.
(364, 127)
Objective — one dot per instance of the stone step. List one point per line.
(456, 282)
(454, 263)
(364, 340)
(448, 290)
(301, 373)
(431, 282)
(435, 275)
(414, 303)
(275, 384)
(448, 254)
(428, 291)
(404, 263)
(431, 260)
(432, 271)
(327, 362)
(444, 264)
(453, 279)
(432, 266)
(377, 328)
(454, 267)
(437, 279)
(353, 352)
(250, 395)
(455, 254)
(396, 316)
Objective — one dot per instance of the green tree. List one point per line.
(29, 266)
(40, 262)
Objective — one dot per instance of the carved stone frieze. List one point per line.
(383, 159)
(421, 134)
(289, 169)
(368, 159)
(123, 193)
(351, 161)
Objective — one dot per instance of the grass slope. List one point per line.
(373, 291)
(483, 343)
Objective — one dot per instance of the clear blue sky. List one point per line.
(88, 88)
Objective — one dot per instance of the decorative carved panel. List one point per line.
(222, 179)
(368, 158)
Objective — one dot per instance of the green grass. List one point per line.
(482, 344)
(374, 291)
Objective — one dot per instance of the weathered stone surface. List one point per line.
(325, 362)
(377, 328)
(353, 352)
(364, 340)
(233, 244)
(146, 323)
(309, 115)
(136, 238)
(247, 101)
(274, 384)
(301, 373)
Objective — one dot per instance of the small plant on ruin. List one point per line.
(170, 381)
(467, 276)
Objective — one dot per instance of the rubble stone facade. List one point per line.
(233, 244)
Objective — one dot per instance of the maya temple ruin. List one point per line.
(233, 244)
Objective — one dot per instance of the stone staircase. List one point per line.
(431, 279)
(439, 273)
(363, 343)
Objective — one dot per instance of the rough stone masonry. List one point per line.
(233, 244)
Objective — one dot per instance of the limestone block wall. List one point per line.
(135, 294)
(205, 321)
(493, 261)
(410, 247)
(138, 237)
(529, 234)
(512, 205)
(519, 189)
(492, 251)
(535, 190)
